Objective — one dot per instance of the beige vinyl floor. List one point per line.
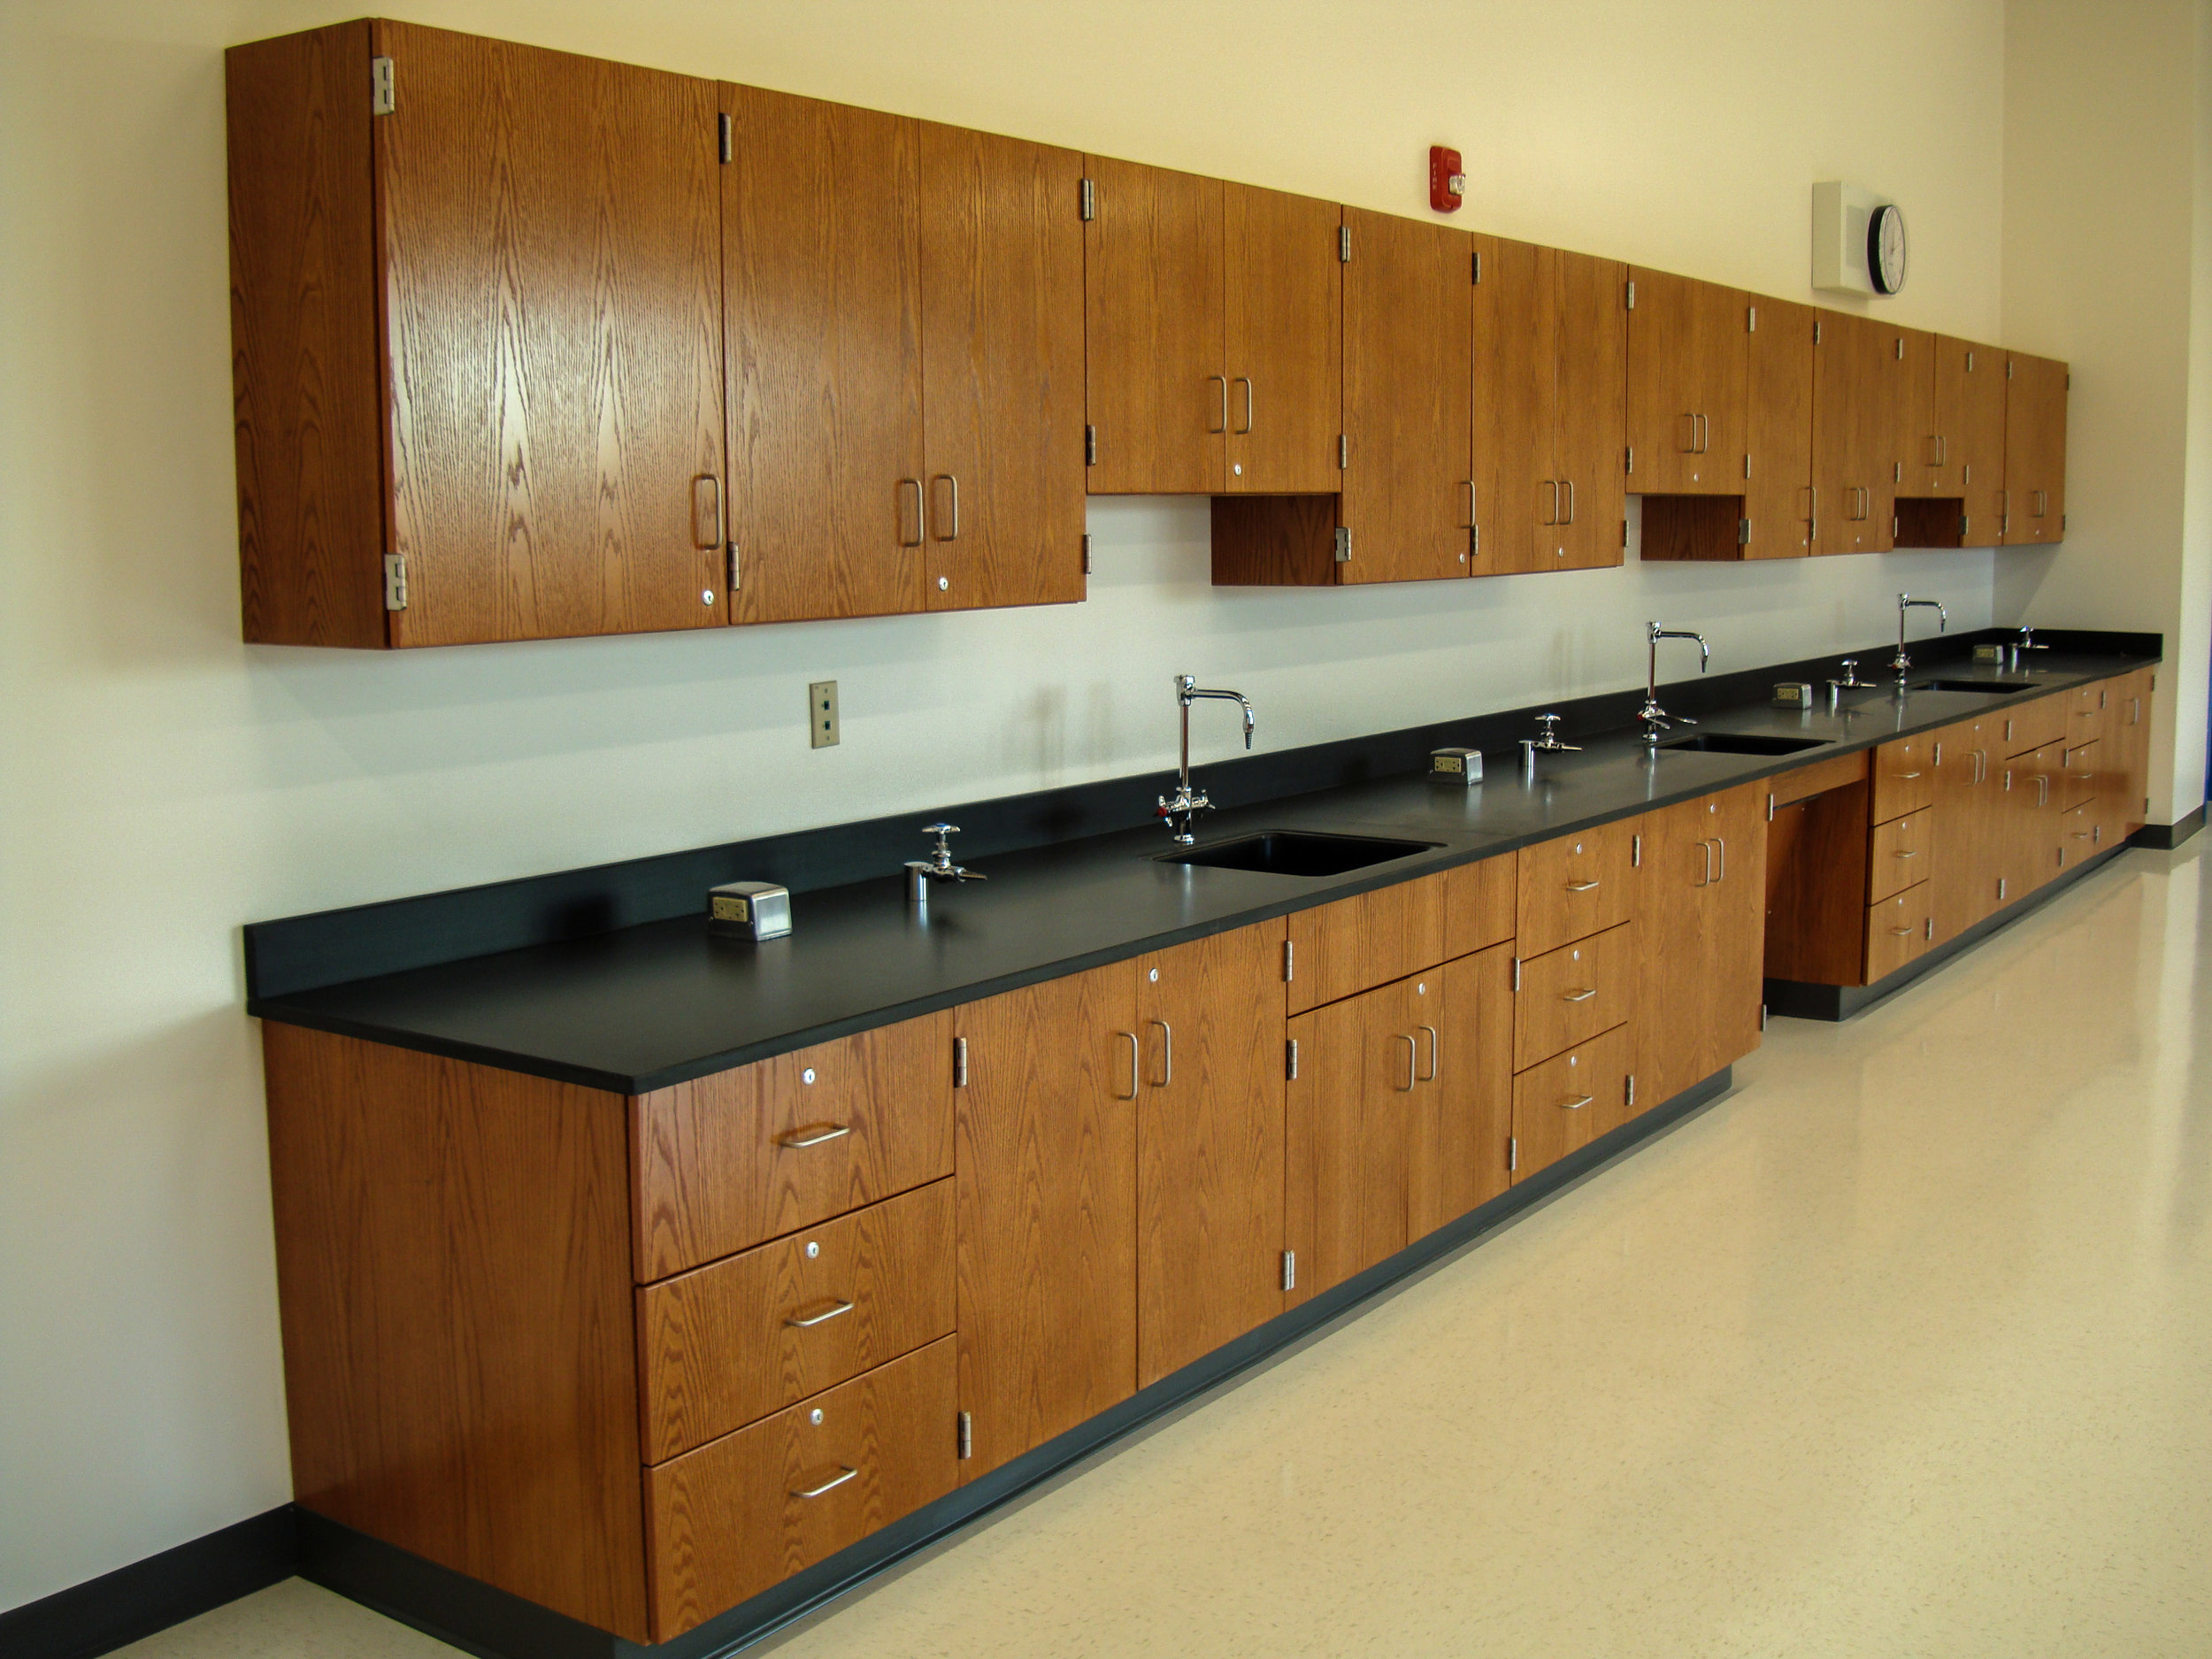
(1904, 1347)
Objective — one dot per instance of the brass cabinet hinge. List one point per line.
(1344, 244)
(1290, 960)
(1477, 267)
(1343, 451)
(1290, 1068)
(1631, 294)
(964, 1436)
(1631, 1099)
(1090, 446)
(737, 568)
(1087, 553)
(960, 1062)
(1088, 205)
(1517, 973)
(1290, 1269)
(1512, 1153)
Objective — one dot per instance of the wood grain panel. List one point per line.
(1903, 775)
(1590, 433)
(2035, 450)
(747, 1335)
(554, 309)
(1002, 370)
(1570, 1099)
(729, 1520)
(1816, 922)
(1778, 437)
(1275, 541)
(1152, 285)
(1914, 442)
(1851, 435)
(1568, 994)
(306, 380)
(1897, 932)
(1967, 820)
(1479, 903)
(1284, 341)
(1209, 1145)
(821, 238)
(1901, 853)
(1462, 1117)
(2086, 708)
(1365, 941)
(2129, 726)
(1573, 885)
(1408, 363)
(1688, 355)
(1048, 1226)
(1819, 778)
(1514, 334)
(2077, 774)
(1701, 902)
(718, 1169)
(1684, 528)
(1971, 419)
(454, 1278)
(2032, 724)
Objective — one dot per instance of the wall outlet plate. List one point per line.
(821, 713)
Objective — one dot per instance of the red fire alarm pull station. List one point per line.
(1448, 180)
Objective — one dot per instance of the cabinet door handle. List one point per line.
(1904, 855)
(1245, 380)
(1430, 1075)
(1576, 1105)
(845, 1472)
(1468, 522)
(1167, 1052)
(915, 540)
(807, 1321)
(1222, 424)
(1569, 484)
(1130, 1037)
(706, 512)
(1551, 513)
(951, 521)
(1580, 886)
(1689, 433)
(813, 1135)
(1704, 434)
(1722, 842)
(2042, 788)
(1578, 996)
(1412, 1050)
(1705, 880)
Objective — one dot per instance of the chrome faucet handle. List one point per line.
(921, 871)
(1550, 739)
(2027, 640)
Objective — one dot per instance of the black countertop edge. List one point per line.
(290, 955)
(350, 1009)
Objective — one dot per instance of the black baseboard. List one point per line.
(494, 1624)
(1800, 999)
(118, 1607)
(2166, 837)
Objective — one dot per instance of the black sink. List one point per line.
(1996, 688)
(1744, 743)
(1297, 853)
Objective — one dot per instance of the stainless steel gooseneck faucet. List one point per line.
(1180, 808)
(1655, 719)
(1901, 662)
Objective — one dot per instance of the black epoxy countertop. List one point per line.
(644, 1007)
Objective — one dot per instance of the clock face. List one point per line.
(1885, 249)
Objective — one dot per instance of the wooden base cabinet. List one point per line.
(1968, 813)
(1700, 905)
(1570, 1100)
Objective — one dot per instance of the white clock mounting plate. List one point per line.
(1842, 214)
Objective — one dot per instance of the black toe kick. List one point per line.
(479, 1619)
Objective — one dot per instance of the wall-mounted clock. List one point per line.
(1886, 248)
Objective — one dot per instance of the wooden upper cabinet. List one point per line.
(1688, 361)
(1778, 442)
(1408, 360)
(1283, 342)
(822, 228)
(1159, 395)
(1853, 471)
(1915, 439)
(1003, 367)
(542, 371)
(2035, 450)
(1970, 424)
(1589, 434)
(1516, 388)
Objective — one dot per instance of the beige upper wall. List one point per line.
(162, 784)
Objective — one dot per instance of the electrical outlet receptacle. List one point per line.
(821, 713)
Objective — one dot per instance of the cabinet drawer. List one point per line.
(1353, 945)
(1898, 854)
(726, 1162)
(1897, 930)
(2077, 775)
(1904, 777)
(1574, 887)
(2086, 707)
(733, 1341)
(747, 1511)
(2033, 725)
(1569, 995)
(2084, 832)
(1569, 1101)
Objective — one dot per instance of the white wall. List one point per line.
(2108, 262)
(164, 784)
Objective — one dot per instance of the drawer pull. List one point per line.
(813, 1135)
(1901, 932)
(1580, 886)
(808, 1321)
(1577, 996)
(1575, 1105)
(1904, 855)
(844, 1473)
(1907, 774)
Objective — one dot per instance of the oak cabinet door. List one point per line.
(1917, 447)
(1969, 403)
(1853, 435)
(1701, 918)
(1408, 363)
(1686, 368)
(1209, 1145)
(1515, 306)
(1046, 1165)
(1157, 394)
(1588, 433)
(2035, 450)
(1461, 1125)
(1002, 284)
(1284, 352)
(1778, 442)
(1966, 857)
(821, 237)
(553, 297)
